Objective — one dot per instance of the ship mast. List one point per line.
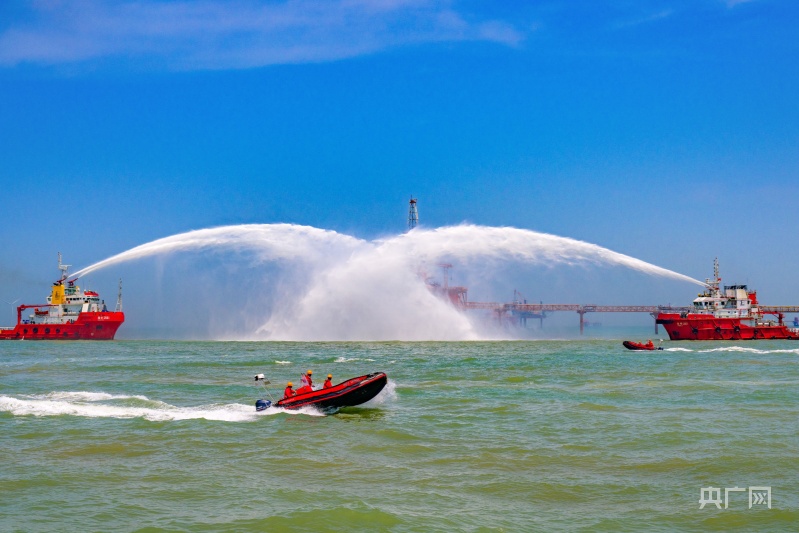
(119, 297)
(713, 285)
(63, 268)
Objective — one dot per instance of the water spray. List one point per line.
(346, 288)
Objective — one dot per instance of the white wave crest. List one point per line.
(746, 349)
(88, 405)
(83, 396)
(388, 394)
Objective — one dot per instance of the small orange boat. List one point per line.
(649, 345)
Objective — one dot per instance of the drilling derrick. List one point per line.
(413, 214)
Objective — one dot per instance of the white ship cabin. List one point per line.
(65, 304)
(733, 302)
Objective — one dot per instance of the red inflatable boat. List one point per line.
(354, 391)
(630, 345)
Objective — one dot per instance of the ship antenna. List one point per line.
(119, 297)
(63, 268)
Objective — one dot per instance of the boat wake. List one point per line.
(738, 349)
(102, 405)
(744, 349)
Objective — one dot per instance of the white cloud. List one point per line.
(213, 34)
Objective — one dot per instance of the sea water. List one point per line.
(569, 435)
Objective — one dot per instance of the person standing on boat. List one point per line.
(650, 344)
(289, 392)
(307, 383)
(328, 382)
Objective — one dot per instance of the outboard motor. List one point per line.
(262, 405)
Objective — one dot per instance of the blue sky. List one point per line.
(665, 130)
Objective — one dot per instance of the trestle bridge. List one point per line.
(524, 311)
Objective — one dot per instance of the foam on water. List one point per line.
(83, 396)
(745, 350)
(338, 286)
(388, 394)
(88, 405)
(740, 349)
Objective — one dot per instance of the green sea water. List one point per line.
(572, 435)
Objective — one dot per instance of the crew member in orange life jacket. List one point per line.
(289, 392)
(328, 383)
(307, 383)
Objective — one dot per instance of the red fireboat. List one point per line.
(729, 314)
(69, 314)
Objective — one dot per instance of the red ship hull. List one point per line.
(88, 326)
(709, 328)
